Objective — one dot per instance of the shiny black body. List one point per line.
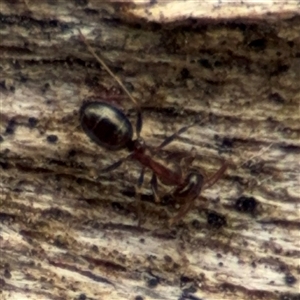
(106, 125)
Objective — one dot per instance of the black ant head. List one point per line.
(192, 185)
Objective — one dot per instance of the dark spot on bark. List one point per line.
(205, 63)
(152, 281)
(185, 73)
(147, 198)
(218, 64)
(241, 27)
(290, 279)
(154, 26)
(246, 204)
(57, 162)
(5, 217)
(59, 242)
(52, 138)
(91, 12)
(71, 153)
(277, 98)
(95, 249)
(167, 200)
(129, 193)
(82, 297)
(53, 23)
(283, 68)
(184, 280)
(215, 220)
(188, 291)
(32, 121)
(258, 44)
(3, 85)
(196, 224)
(7, 274)
(45, 87)
(136, 26)
(23, 78)
(187, 296)
(56, 213)
(168, 258)
(117, 207)
(10, 129)
(227, 142)
(2, 282)
(81, 2)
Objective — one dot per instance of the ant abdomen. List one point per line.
(106, 125)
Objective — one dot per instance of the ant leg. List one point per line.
(138, 196)
(139, 123)
(187, 161)
(215, 177)
(172, 137)
(115, 165)
(182, 211)
(153, 183)
(175, 135)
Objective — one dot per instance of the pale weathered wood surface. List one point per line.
(66, 236)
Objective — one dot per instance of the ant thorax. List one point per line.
(167, 171)
(173, 168)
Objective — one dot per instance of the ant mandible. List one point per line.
(109, 127)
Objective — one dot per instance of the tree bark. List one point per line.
(69, 231)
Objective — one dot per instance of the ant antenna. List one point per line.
(117, 79)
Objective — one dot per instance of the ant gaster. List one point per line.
(109, 127)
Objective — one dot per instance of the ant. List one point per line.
(109, 127)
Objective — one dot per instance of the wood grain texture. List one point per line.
(65, 235)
